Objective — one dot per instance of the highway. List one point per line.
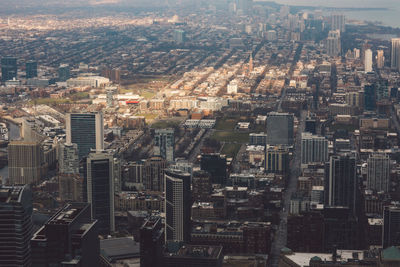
(281, 233)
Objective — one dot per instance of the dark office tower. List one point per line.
(151, 242)
(15, 225)
(86, 130)
(31, 69)
(378, 172)
(63, 73)
(370, 97)
(164, 143)
(154, 174)
(391, 226)
(178, 203)
(69, 238)
(311, 125)
(8, 68)
(100, 190)
(341, 182)
(280, 128)
(201, 185)
(341, 229)
(215, 165)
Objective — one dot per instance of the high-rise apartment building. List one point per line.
(179, 36)
(341, 182)
(313, 148)
(154, 174)
(395, 56)
(86, 130)
(100, 189)
(9, 68)
(164, 143)
(15, 225)
(63, 73)
(31, 69)
(69, 238)
(201, 186)
(368, 60)
(70, 187)
(391, 226)
(25, 162)
(276, 159)
(68, 158)
(380, 59)
(338, 22)
(333, 43)
(378, 172)
(151, 242)
(178, 205)
(280, 128)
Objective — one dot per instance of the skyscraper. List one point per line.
(333, 43)
(378, 172)
(215, 165)
(15, 225)
(338, 22)
(280, 128)
(368, 60)
(178, 205)
(63, 73)
(86, 130)
(380, 59)
(276, 159)
(8, 68)
(201, 186)
(151, 242)
(341, 182)
(25, 162)
(69, 238)
(395, 57)
(154, 169)
(370, 97)
(179, 36)
(31, 69)
(70, 187)
(391, 226)
(68, 158)
(313, 148)
(164, 143)
(100, 189)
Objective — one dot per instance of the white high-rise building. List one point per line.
(177, 205)
(313, 148)
(368, 60)
(378, 172)
(395, 57)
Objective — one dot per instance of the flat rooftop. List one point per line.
(119, 248)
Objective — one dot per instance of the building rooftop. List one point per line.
(119, 248)
(303, 259)
(198, 251)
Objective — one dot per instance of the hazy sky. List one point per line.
(342, 3)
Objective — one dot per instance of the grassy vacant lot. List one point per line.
(49, 101)
(230, 149)
(230, 137)
(162, 124)
(148, 116)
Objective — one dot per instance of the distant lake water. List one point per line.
(389, 17)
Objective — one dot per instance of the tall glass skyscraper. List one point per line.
(177, 205)
(31, 69)
(164, 143)
(8, 68)
(100, 189)
(86, 130)
(15, 225)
